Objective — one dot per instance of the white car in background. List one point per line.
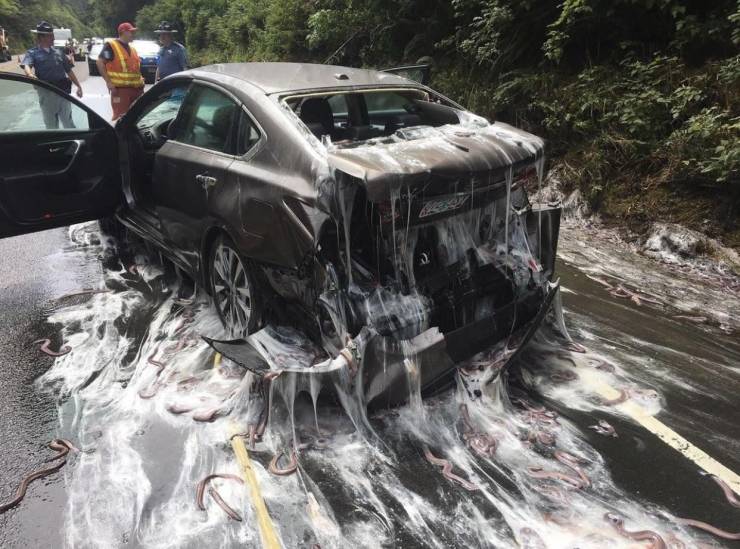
(92, 56)
(63, 43)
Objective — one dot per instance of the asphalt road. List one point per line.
(37, 269)
(34, 270)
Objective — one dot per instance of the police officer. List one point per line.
(50, 65)
(172, 55)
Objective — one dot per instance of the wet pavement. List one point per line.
(136, 486)
(30, 282)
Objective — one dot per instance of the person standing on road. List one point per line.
(120, 66)
(172, 55)
(52, 66)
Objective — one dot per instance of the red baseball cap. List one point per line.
(123, 27)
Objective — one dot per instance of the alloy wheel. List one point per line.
(232, 291)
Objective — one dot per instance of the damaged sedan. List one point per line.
(384, 222)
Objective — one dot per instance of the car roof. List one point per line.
(292, 77)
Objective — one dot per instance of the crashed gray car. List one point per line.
(353, 205)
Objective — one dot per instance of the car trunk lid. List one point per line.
(436, 162)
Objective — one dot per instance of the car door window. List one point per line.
(28, 107)
(249, 135)
(163, 108)
(208, 120)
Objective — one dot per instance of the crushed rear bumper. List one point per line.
(383, 360)
(437, 355)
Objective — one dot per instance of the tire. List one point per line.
(234, 288)
(149, 79)
(93, 69)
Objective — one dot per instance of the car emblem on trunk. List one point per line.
(441, 205)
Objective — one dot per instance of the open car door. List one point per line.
(417, 73)
(58, 159)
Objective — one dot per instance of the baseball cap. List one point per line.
(123, 27)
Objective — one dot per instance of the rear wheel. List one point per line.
(234, 289)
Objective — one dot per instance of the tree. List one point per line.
(110, 13)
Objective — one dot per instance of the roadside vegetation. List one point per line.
(18, 17)
(639, 99)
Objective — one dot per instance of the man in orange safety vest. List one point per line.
(120, 66)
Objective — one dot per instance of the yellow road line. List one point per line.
(662, 431)
(270, 538)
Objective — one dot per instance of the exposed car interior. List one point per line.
(349, 117)
(152, 131)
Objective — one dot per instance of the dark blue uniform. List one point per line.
(172, 59)
(50, 66)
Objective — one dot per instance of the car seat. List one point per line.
(316, 113)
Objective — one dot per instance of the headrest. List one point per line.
(316, 110)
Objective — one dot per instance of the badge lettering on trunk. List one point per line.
(434, 207)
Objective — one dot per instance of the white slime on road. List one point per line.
(143, 452)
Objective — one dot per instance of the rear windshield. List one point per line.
(353, 117)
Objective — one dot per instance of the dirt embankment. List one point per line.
(708, 210)
(671, 224)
